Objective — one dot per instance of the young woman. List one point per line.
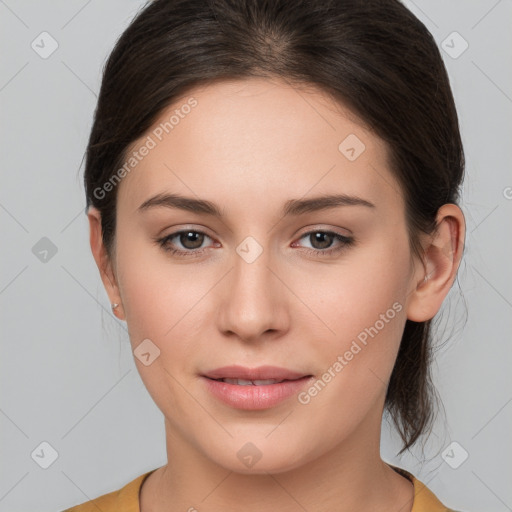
(271, 190)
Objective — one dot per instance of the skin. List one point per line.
(249, 146)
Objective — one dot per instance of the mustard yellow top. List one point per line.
(126, 499)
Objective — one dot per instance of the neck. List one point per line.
(349, 477)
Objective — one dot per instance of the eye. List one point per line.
(322, 242)
(190, 239)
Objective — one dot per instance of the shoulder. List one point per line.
(424, 499)
(127, 497)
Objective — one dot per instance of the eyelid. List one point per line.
(192, 227)
(344, 240)
(163, 242)
(343, 243)
(322, 227)
(308, 230)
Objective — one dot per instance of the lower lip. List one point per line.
(254, 397)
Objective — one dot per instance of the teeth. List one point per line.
(243, 382)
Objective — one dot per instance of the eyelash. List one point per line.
(344, 240)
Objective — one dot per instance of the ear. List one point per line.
(103, 261)
(442, 255)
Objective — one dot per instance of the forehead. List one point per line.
(263, 139)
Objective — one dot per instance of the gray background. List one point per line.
(68, 376)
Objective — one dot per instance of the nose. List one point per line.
(253, 305)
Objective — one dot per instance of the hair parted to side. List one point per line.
(374, 56)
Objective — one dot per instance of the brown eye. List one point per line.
(186, 242)
(325, 243)
(191, 239)
(321, 239)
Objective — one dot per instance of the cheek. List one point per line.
(156, 293)
(354, 295)
(164, 302)
(158, 301)
(365, 307)
(360, 300)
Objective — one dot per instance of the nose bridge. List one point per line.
(254, 302)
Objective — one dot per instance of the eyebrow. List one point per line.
(292, 207)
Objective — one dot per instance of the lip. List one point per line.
(252, 397)
(259, 373)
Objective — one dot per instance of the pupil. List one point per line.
(193, 237)
(319, 237)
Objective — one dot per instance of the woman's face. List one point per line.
(267, 282)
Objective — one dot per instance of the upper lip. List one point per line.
(259, 373)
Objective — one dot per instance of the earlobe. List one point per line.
(442, 255)
(103, 261)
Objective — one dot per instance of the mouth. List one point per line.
(258, 389)
(260, 376)
(257, 382)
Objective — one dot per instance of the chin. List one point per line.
(259, 457)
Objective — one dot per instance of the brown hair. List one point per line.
(374, 56)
